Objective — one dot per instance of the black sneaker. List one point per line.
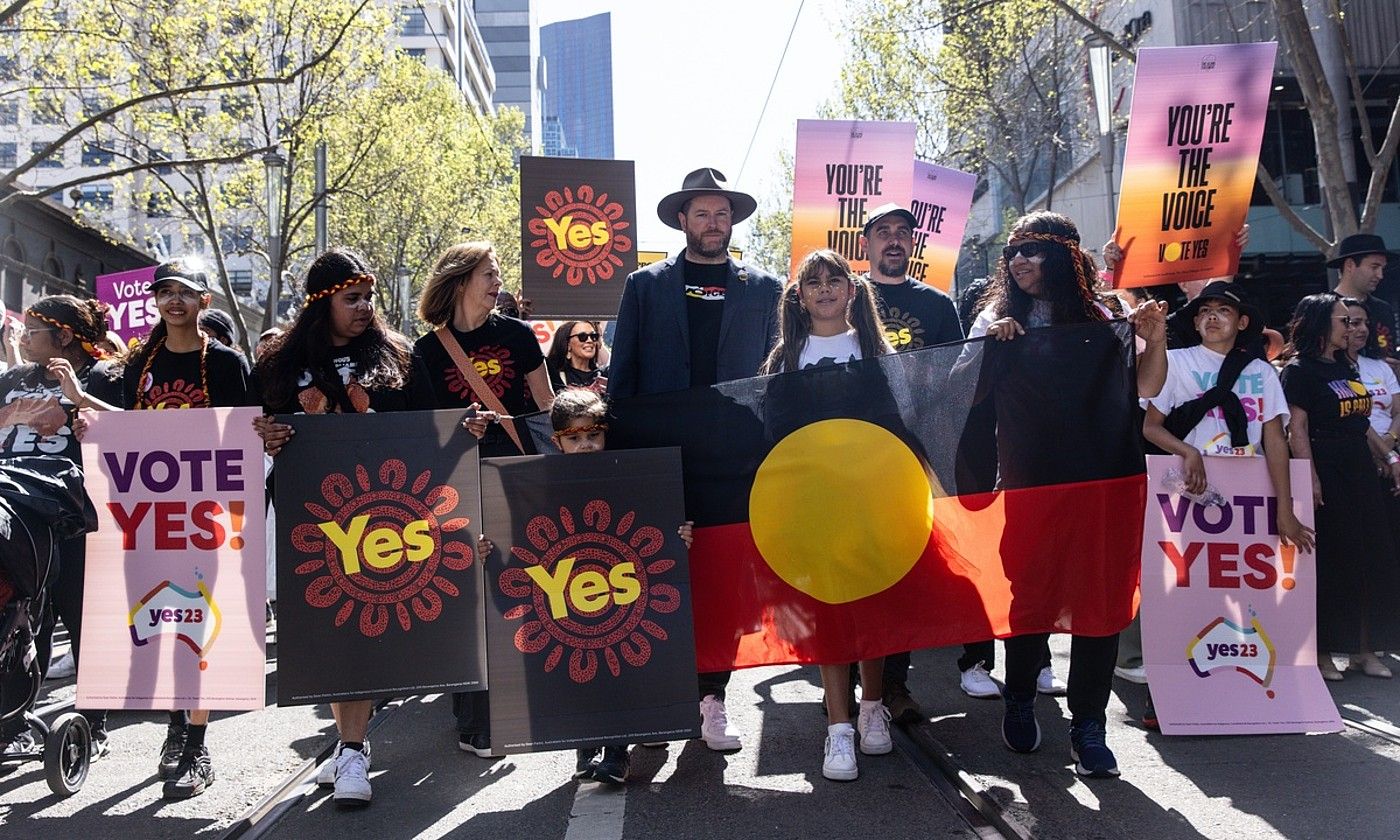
(101, 744)
(475, 743)
(1090, 752)
(587, 761)
(1019, 728)
(612, 768)
(193, 774)
(170, 751)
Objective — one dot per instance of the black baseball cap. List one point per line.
(187, 273)
(890, 209)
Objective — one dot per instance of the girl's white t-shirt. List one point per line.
(830, 350)
(1380, 381)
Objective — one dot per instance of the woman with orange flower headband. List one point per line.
(63, 364)
(1046, 279)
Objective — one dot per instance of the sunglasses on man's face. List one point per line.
(1025, 249)
(588, 336)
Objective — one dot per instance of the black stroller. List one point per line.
(42, 502)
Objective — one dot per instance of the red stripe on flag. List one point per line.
(1059, 558)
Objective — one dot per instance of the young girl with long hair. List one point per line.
(178, 366)
(827, 316)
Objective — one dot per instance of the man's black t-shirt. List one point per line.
(1382, 317)
(175, 380)
(503, 350)
(705, 287)
(916, 315)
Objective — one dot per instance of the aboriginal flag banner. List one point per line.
(376, 557)
(588, 621)
(916, 500)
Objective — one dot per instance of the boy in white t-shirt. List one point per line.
(1226, 325)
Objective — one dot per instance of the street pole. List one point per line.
(1101, 73)
(321, 200)
(274, 166)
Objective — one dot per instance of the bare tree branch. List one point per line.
(1266, 180)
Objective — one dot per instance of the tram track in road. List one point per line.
(972, 803)
(1373, 727)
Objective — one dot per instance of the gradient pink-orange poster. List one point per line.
(1193, 148)
(942, 201)
(175, 595)
(843, 170)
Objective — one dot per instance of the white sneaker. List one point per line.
(976, 682)
(873, 724)
(839, 764)
(714, 725)
(62, 668)
(326, 777)
(1136, 675)
(1047, 683)
(351, 778)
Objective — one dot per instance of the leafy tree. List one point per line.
(770, 228)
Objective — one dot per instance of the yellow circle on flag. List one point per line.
(841, 510)
(1172, 251)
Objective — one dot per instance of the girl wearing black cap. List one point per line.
(339, 356)
(59, 343)
(178, 366)
(1357, 578)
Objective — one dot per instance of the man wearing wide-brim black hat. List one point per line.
(1361, 260)
(696, 319)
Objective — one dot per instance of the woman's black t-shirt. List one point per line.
(503, 350)
(175, 380)
(1338, 405)
(415, 395)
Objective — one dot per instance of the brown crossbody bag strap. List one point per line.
(478, 385)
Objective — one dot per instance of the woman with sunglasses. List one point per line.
(1357, 578)
(1046, 279)
(58, 341)
(572, 360)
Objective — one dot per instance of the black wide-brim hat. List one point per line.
(1183, 321)
(705, 181)
(1359, 245)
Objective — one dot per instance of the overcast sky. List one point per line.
(689, 79)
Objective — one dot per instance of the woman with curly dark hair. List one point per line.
(1046, 279)
(572, 360)
(1329, 408)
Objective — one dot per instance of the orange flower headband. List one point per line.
(581, 430)
(354, 280)
(88, 347)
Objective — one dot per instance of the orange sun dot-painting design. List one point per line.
(596, 543)
(594, 220)
(407, 589)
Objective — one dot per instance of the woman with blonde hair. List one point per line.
(479, 358)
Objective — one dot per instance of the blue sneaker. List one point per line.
(613, 767)
(1019, 728)
(1091, 754)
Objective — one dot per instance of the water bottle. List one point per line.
(1175, 482)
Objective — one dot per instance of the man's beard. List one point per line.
(695, 243)
(893, 267)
